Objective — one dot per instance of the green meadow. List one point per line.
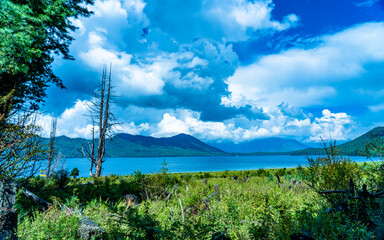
(259, 204)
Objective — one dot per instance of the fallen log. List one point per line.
(30, 195)
(170, 194)
(278, 180)
(207, 200)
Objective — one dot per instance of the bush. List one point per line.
(75, 173)
(60, 178)
(281, 171)
(331, 172)
(261, 173)
(155, 185)
(52, 224)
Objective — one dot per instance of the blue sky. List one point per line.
(228, 69)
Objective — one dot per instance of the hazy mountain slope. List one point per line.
(353, 147)
(261, 145)
(126, 145)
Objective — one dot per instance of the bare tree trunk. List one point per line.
(88, 149)
(100, 109)
(101, 146)
(104, 118)
(51, 146)
(92, 157)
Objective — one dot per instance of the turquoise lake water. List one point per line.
(126, 166)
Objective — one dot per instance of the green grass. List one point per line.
(252, 207)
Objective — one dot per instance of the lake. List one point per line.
(126, 166)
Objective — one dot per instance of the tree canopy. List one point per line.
(31, 33)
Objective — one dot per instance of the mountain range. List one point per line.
(353, 148)
(127, 145)
(273, 144)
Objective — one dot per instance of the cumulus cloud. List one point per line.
(129, 79)
(335, 126)
(176, 66)
(331, 126)
(292, 111)
(304, 77)
(73, 122)
(190, 78)
(257, 15)
(237, 18)
(109, 9)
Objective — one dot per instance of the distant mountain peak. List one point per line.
(270, 144)
(183, 136)
(354, 147)
(376, 132)
(128, 145)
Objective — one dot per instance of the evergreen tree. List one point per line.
(31, 32)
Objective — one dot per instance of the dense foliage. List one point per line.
(21, 150)
(249, 205)
(30, 32)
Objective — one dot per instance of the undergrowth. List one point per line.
(249, 204)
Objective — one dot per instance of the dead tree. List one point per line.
(51, 146)
(363, 198)
(100, 107)
(88, 149)
(20, 148)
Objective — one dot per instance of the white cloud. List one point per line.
(331, 126)
(132, 128)
(134, 76)
(192, 80)
(130, 79)
(376, 108)
(237, 17)
(79, 24)
(95, 39)
(257, 15)
(73, 122)
(196, 61)
(190, 123)
(336, 126)
(304, 77)
(137, 7)
(170, 126)
(108, 8)
(131, 11)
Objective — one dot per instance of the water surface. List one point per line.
(126, 166)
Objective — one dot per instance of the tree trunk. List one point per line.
(51, 146)
(8, 215)
(104, 116)
(36, 199)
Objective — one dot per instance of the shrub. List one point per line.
(331, 172)
(75, 173)
(155, 185)
(52, 224)
(281, 171)
(60, 178)
(261, 173)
